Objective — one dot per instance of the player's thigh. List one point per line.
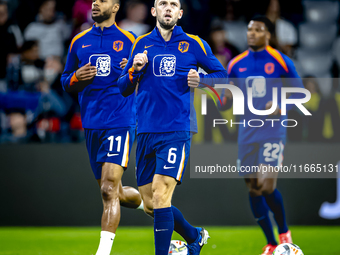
(112, 173)
(111, 180)
(146, 194)
(172, 154)
(270, 161)
(252, 184)
(267, 181)
(162, 189)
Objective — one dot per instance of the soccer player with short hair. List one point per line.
(261, 68)
(162, 68)
(95, 61)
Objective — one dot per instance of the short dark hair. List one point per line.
(269, 25)
(180, 3)
(3, 3)
(28, 45)
(11, 110)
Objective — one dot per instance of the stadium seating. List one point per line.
(336, 50)
(317, 51)
(317, 36)
(237, 34)
(315, 63)
(321, 11)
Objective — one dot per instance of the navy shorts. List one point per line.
(269, 152)
(162, 153)
(109, 145)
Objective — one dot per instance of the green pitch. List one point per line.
(139, 241)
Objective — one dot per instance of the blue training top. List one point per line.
(262, 71)
(102, 106)
(164, 99)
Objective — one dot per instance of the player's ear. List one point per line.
(153, 11)
(268, 35)
(115, 8)
(180, 14)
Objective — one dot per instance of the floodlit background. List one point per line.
(45, 176)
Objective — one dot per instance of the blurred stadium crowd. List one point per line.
(35, 35)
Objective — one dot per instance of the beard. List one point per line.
(256, 47)
(167, 26)
(101, 18)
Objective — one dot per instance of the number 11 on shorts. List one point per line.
(118, 139)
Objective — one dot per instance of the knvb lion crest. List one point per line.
(183, 46)
(118, 45)
(167, 66)
(103, 65)
(164, 65)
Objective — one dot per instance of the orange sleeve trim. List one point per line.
(275, 54)
(131, 70)
(78, 36)
(74, 79)
(237, 59)
(137, 40)
(197, 39)
(126, 33)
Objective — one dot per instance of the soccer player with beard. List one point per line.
(262, 68)
(162, 68)
(95, 61)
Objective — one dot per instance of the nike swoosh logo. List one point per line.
(148, 46)
(85, 46)
(168, 167)
(242, 69)
(157, 230)
(201, 243)
(110, 155)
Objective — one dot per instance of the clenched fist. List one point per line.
(193, 78)
(140, 60)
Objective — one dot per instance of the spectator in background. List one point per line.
(30, 74)
(286, 34)
(222, 49)
(82, 16)
(18, 132)
(48, 113)
(234, 25)
(11, 41)
(50, 32)
(136, 13)
(26, 70)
